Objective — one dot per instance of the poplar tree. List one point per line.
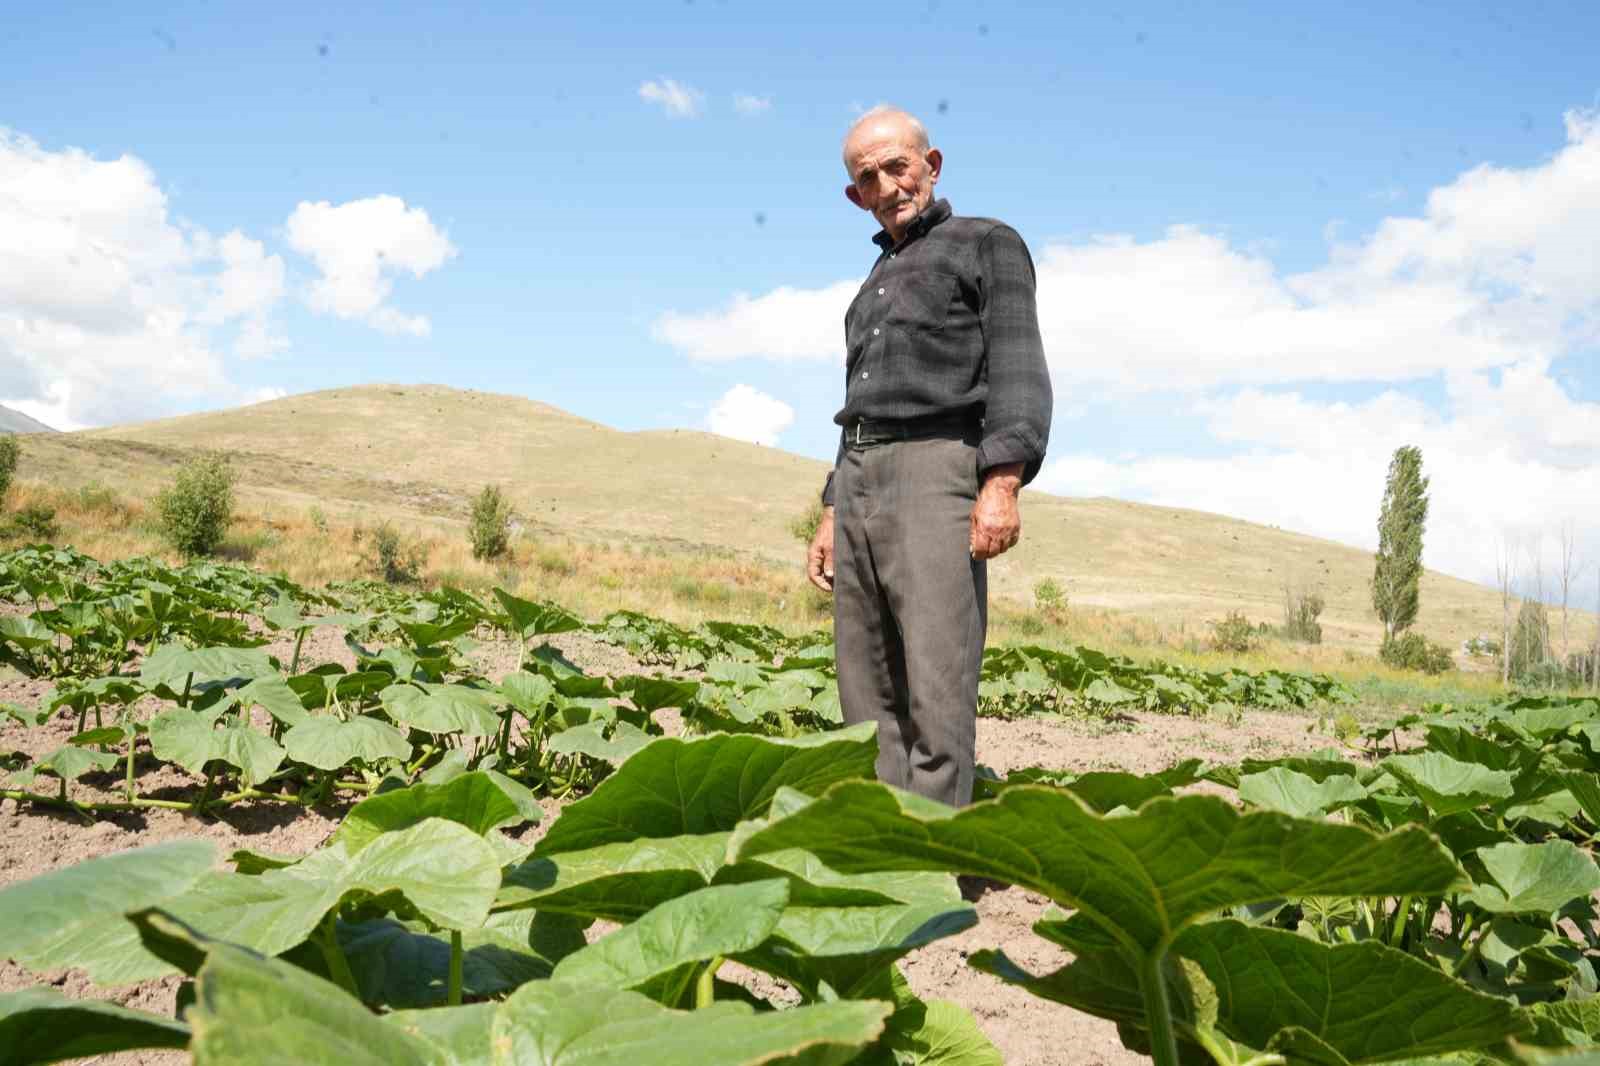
(1401, 522)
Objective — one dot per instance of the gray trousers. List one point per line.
(910, 608)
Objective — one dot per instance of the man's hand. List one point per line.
(819, 557)
(996, 521)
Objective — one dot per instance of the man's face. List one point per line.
(890, 175)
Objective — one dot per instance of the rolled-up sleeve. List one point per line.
(1016, 425)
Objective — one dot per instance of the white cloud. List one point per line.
(746, 413)
(1519, 454)
(109, 310)
(750, 105)
(786, 324)
(359, 246)
(678, 101)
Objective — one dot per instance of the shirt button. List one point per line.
(874, 331)
(880, 292)
(865, 374)
(891, 255)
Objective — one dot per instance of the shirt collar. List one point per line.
(934, 214)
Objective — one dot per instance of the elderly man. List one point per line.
(946, 417)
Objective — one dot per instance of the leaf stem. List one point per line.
(1158, 1008)
(333, 954)
(705, 989)
(133, 738)
(454, 991)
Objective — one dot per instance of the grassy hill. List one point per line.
(417, 453)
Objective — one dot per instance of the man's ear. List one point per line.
(935, 160)
(852, 194)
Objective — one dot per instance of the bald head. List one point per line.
(892, 169)
(889, 120)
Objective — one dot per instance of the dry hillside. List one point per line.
(418, 452)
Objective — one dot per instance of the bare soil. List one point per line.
(1027, 1030)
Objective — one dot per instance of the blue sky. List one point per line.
(562, 219)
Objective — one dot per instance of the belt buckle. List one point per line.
(858, 431)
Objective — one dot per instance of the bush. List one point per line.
(1300, 614)
(319, 520)
(804, 527)
(490, 524)
(196, 508)
(1413, 651)
(1233, 633)
(386, 555)
(9, 450)
(1049, 596)
(36, 525)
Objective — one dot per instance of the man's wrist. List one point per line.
(1006, 477)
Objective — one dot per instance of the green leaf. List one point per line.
(480, 801)
(72, 917)
(437, 869)
(39, 1025)
(1296, 794)
(1144, 875)
(947, 1036)
(566, 1023)
(455, 1036)
(1448, 785)
(273, 695)
(71, 762)
(618, 882)
(590, 739)
(1534, 878)
(1367, 1001)
(326, 743)
(441, 709)
(674, 787)
(189, 739)
(656, 954)
(530, 619)
(654, 693)
(250, 1011)
(173, 665)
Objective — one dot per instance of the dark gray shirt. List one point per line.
(946, 324)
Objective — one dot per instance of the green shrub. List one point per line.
(804, 526)
(97, 497)
(1049, 596)
(319, 520)
(490, 525)
(388, 556)
(1300, 614)
(196, 508)
(9, 450)
(36, 525)
(1413, 651)
(1234, 633)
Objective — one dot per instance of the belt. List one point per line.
(869, 432)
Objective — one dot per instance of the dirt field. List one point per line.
(1028, 1031)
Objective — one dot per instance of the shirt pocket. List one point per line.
(920, 301)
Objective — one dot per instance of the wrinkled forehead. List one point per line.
(870, 145)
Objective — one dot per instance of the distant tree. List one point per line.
(8, 462)
(1531, 641)
(490, 524)
(1401, 523)
(196, 508)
